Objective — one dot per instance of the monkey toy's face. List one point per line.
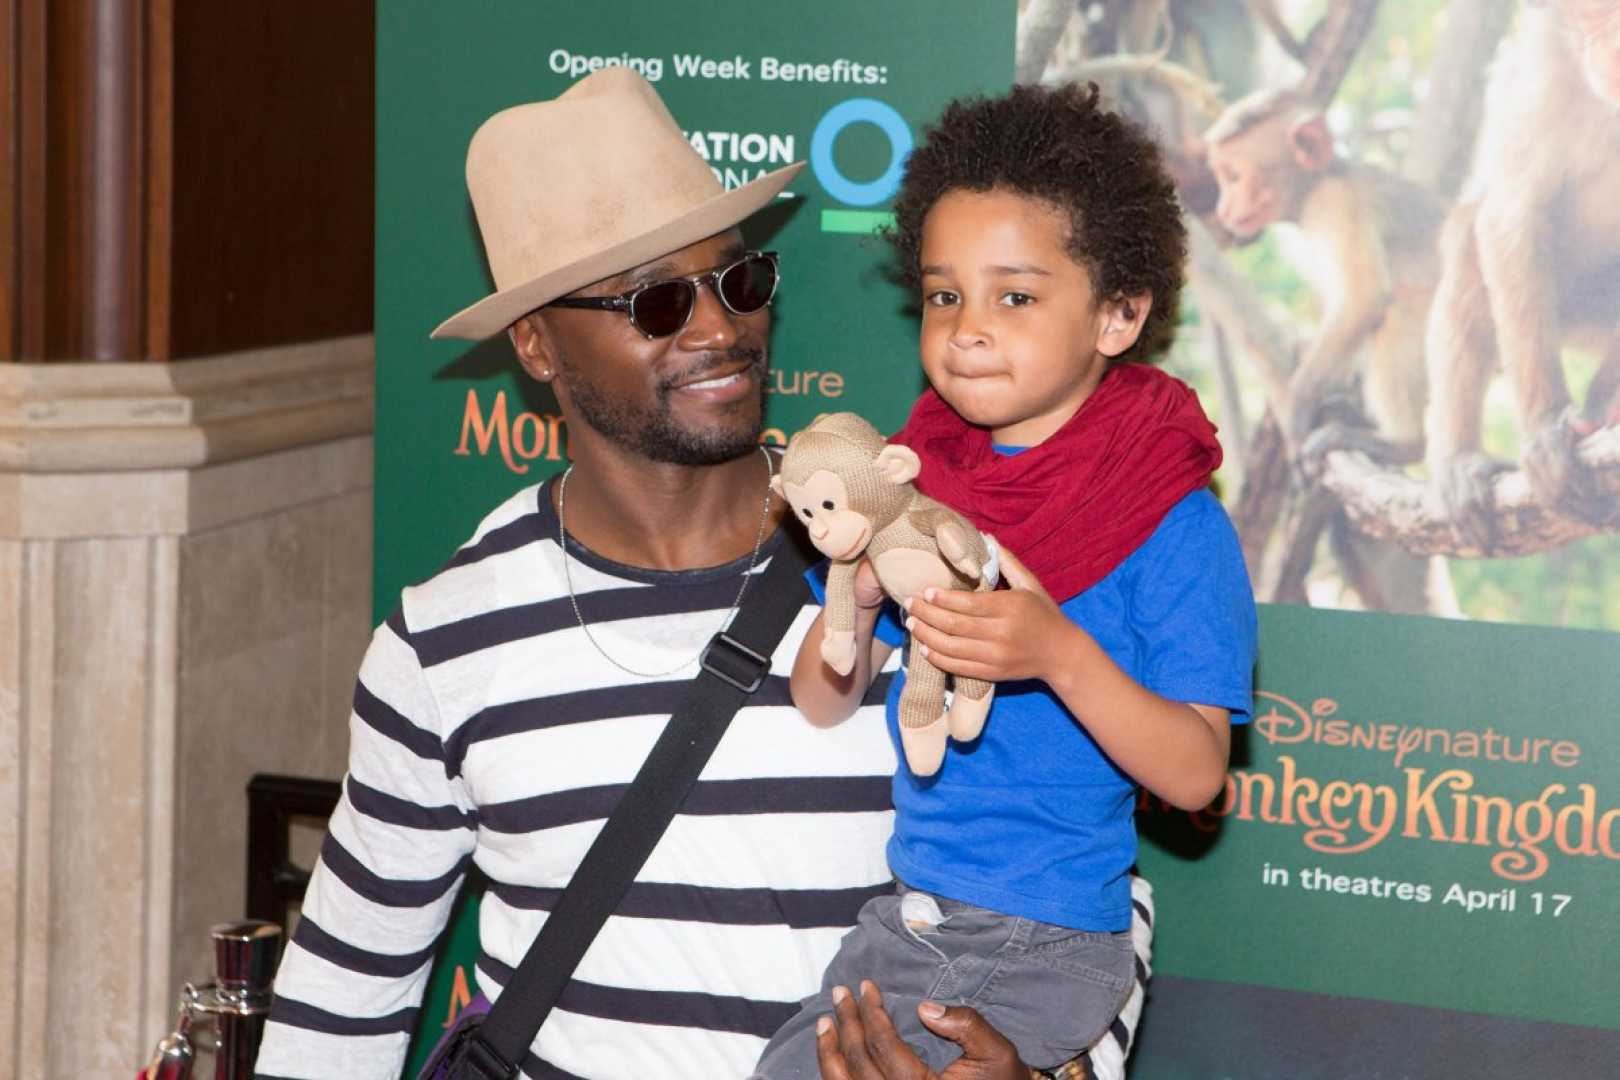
(839, 531)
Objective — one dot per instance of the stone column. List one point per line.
(185, 564)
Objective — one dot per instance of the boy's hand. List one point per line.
(859, 1043)
(1010, 634)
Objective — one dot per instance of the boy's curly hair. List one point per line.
(1059, 145)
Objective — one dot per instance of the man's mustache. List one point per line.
(750, 357)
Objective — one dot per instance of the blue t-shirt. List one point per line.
(1032, 818)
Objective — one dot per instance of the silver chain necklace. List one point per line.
(562, 542)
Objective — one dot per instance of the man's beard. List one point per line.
(653, 433)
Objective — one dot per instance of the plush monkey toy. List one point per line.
(853, 491)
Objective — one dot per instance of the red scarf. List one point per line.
(1077, 505)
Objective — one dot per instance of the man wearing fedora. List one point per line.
(507, 702)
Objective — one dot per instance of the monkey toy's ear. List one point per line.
(776, 485)
(898, 464)
(1312, 142)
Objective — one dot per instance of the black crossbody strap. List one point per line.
(733, 666)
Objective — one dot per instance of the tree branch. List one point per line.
(1388, 504)
(1265, 13)
(1332, 46)
(1224, 292)
(1442, 142)
(1308, 517)
(1040, 28)
(1265, 489)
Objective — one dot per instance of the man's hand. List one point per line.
(1015, 633)
(861, 1044)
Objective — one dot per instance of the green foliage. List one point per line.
(1264, 265)
(1381, 90)
(1576, 586)
(1372, 109)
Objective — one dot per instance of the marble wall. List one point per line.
(185, 567)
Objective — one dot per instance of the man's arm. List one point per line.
(396, 851)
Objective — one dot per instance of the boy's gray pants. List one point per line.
(1051, 990)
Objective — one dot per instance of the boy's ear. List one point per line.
(898, 464)
(1123, 319)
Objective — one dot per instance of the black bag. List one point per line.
(490, 1046)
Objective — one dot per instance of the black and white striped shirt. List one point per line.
(488, 730)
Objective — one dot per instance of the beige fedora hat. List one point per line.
(588, 185)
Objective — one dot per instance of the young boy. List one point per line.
(1047, 246)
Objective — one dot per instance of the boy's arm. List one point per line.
(824, 696)
(1176, 750)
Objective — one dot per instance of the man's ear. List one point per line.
(898, 464)
(1123, 320)
(536, 349)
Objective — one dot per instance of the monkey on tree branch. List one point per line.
(1532, 262)
(1367, 249)
(1367, 252)
(1530, 265)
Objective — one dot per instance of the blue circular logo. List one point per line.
(839, 117)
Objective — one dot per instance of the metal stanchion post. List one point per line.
(245, 955)
(174, 1056)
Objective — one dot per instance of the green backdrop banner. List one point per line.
(1422, 812)
(1415, 868)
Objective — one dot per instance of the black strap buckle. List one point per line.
(730, 661)
(478, 1060)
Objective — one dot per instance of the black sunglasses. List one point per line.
(661, 308)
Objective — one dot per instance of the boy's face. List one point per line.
(1012, 335)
